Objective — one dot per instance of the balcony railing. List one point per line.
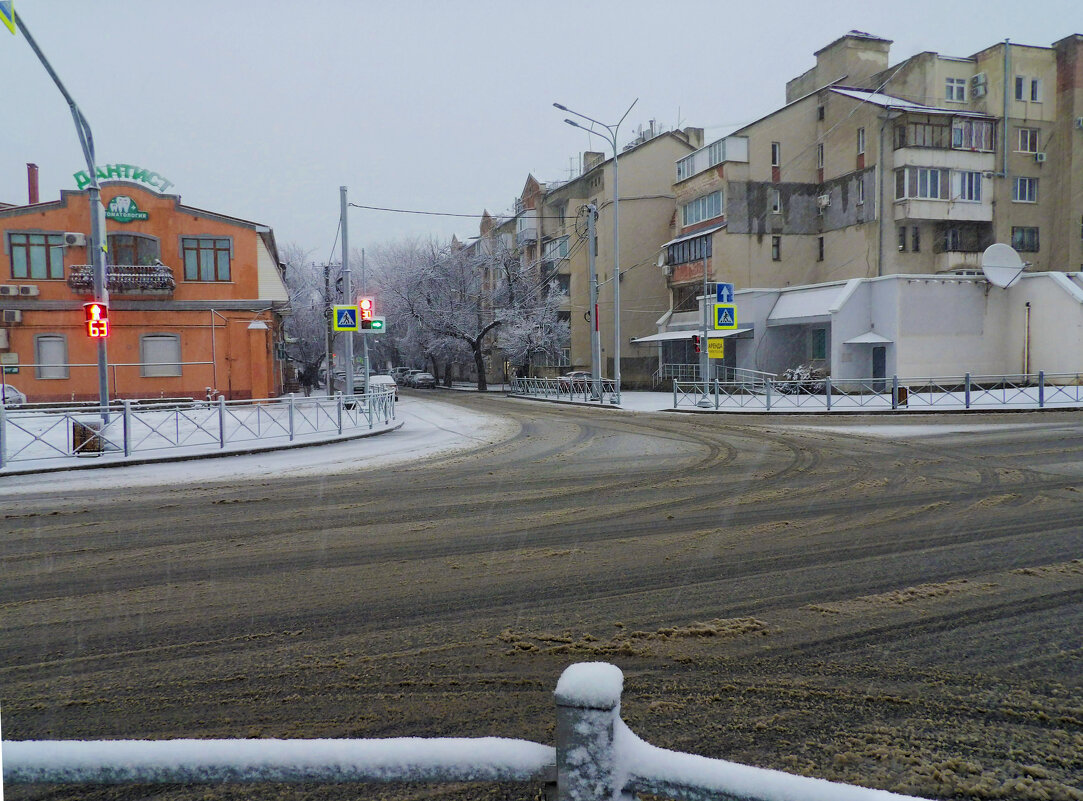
(133, 279)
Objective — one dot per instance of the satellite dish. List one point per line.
(1001, 265)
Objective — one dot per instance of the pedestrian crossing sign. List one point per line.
(7, 14)
(345, 318)
(725, 317)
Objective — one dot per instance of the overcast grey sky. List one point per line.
(261, 110)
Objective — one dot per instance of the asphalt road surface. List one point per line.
(901, 610)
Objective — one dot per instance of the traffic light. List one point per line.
(695, 342)
(97, 319)
(368, 308)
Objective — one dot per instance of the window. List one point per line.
(1025, 240)
(1025, 190)
(953, 239)
(51, 356)
(819, 248)
(860, 141)
(819, 112)
(820, 155)
(206, 258)
(564, 283)
(716, 153)
(702, 208)
(556, 249)
(686, 167)
(955, 90)
(968, 134)
(1035, 90)
(923, 134)
(693, 249)
(915, 239)
(36, 256)
(818, 344)
(924, 183)
(1020, 85)
(860, 191)
(1028, 140)
(776, 154)
(966, 186)
(776, 248)
(776, 201)
(686, 297)
(902, 239)
(159, 355)
(132, 249)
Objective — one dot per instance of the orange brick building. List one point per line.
(196, 298)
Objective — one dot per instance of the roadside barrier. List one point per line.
(582, 390)
(596, 758)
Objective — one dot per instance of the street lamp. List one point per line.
(612, 136)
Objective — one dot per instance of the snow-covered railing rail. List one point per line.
(584, 390)
(129, 428)
(596, 758)
(1035, 391)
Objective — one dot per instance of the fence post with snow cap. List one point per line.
(588, 708)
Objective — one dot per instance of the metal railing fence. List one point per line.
(130, 428)
(970, 391)
(581, 390)
(596, 758)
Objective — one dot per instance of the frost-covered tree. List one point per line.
(306, 328)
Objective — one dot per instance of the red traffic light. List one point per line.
(695, 342)
(97, 320)
(367, 307)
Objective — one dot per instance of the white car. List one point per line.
(378, 381)
(10, 396)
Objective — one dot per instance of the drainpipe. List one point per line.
(1004, 119)
(1026, 341)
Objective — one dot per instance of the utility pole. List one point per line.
(97, 213)
(595, 339)
(704, 348)
(364, 339)
(327, 333)
(347, 293)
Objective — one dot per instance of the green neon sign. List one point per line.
(126, 172)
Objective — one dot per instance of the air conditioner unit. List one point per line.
(7, 290)
(29, 290)
(823, 201)
(979, 85)
(74, 239)
(988, 174)
(1039, 157)
(11, 316)
(978, 91)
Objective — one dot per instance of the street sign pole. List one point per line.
(704, 358)
(97, 212)
(595, 338)
(346, 293)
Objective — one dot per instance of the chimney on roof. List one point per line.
(32, 182)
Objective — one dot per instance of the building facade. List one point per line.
(196, 299)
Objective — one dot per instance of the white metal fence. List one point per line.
(129, 428)
(970, 391)
(596, 758)
(583, 390)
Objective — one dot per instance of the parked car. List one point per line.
(424, 381)
(575, 381)
(408, 377)
(378, 381)
(10, 396)
(399, 373)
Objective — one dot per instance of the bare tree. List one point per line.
(306, 328)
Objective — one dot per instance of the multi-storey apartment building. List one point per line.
(871, 170)
(196, 298)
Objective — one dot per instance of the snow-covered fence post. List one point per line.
(827, 391)
(770, 385)
(894, 393)
(291, 417)
(588, 709)
(127, 428)
(221, 421)
(1041, 389)
(967, 390)
(338, 404)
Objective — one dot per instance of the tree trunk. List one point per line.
(479, 365)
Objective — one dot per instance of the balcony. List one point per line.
(526, 235)
(125, 279)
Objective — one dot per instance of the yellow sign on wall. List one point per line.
(716, 348)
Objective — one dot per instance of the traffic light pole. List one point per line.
(364, 339)
(97, 212)
(704, 351)
(595, 340)
(347, 293)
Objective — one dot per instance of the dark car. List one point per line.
(575, 381)
(423, 381)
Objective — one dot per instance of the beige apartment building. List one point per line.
(871, 170)
(548, 229)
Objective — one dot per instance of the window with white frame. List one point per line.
(702, 208)
(159, 355)
(1035, 90)
(1028, 140)
(860, 191)
(51, 356)
(1020, 87)
(776, 154)
(971, 134)
(966, 185)
(921, 183)
(955, 90)
(776, 248)
(1025, 190)
(860, 141)
(820, 155)
(776, 201)
(716, 152)
(686, 167)
(556, 249)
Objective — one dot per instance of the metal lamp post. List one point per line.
(612, 136)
